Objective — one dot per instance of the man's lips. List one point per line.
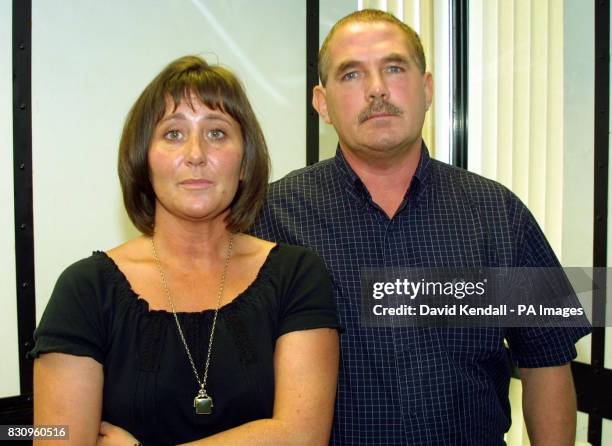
(379, 115)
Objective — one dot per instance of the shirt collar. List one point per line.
(354, 183)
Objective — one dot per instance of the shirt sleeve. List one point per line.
(538, 346)
(72, 322)
(308, 301)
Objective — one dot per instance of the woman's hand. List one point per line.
(111, 435)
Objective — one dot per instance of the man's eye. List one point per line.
(216, 134)
(350, 76)
(173, 135)
(395, 69)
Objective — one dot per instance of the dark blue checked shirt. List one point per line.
(417, 386)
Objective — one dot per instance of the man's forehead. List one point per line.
(357, 40)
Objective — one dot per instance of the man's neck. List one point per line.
(386, 178)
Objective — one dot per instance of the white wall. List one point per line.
(578, 119)
(9, 371)
(578, 145)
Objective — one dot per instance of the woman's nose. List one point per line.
(196, 151)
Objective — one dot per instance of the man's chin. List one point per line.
(386, 146)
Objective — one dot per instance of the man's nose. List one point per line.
(377, 87)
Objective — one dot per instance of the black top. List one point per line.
(149, 384)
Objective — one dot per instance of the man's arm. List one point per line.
(549, 405)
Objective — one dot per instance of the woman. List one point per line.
(195, 331)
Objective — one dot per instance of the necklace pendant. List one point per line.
(203, 403)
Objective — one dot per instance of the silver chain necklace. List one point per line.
(202, 402)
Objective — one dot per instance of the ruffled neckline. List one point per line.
(115, 276)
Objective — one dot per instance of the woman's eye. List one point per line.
(216, 134)
(173, 135)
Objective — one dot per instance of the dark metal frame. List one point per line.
(18, 409)
(596, 380)
(22, 171)
(312, 79)
(459, 82)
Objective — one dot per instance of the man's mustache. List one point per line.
(377, 107)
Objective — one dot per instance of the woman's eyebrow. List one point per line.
(211, 116)
(172, 117)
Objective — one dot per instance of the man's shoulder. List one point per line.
(290, 201)
(309, 173)
(470, 185)
(307, 178)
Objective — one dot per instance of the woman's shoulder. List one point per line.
(299, 257)
(278, 249)
(291, 265)
(303, 288)
(283, 256)
(86, 269)
(77, 316)
(132, 250)
(89, 279)
(98, 272)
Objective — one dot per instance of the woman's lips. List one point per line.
(196, 183)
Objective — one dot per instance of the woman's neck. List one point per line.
(183, 242)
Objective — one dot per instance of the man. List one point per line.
(383, 202)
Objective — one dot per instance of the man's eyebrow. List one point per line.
(347, 65)
(397, 58)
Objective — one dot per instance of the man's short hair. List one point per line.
(187, 79)
(371, 16)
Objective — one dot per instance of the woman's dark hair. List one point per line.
(186, 79)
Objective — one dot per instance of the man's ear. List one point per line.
(428, 85)
(319, 102)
